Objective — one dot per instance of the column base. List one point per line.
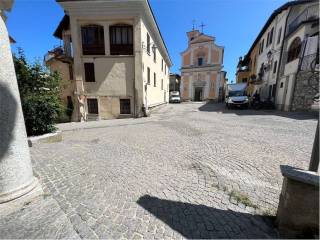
(32, 188)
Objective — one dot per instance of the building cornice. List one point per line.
(215, 67)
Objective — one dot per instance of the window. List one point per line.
(162, 65)
(89, 72)
(279, 35)
(275, 66)
(165, 69)
(125, 106)
(271, 36)
(92, 106)
(294, 49)
(161, 84)
(69, 104)
(262, 46)
(268, 37)
(274, 88)
(270, 91)
(154, 79)
(70, 72)
(244, 80)
(148, 43)
(281, 85)
(148, 75)
(92, 40)
(200, 61)
(154, 54)
(121, 40)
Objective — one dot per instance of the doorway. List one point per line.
(198, 94)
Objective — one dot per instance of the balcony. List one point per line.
(309, 14)
(59, 54)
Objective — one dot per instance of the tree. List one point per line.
(39, 93)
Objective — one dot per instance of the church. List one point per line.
(202, 78)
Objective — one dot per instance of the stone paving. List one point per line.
(188, 171)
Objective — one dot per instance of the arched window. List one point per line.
(294, 49)
(121, 39)
(92, 40)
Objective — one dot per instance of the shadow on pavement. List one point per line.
(199, 221)
(220, 107)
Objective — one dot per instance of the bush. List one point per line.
(39, 93)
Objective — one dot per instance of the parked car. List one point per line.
(236, 96)
(174, 97)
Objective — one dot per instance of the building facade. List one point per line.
(114, 58)
(298, 79)
(201, 71)
(247, 69)
(272, 63)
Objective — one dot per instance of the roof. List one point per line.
(12, 40)
(6, 5)
(63, 25)
(159, 31)
(271, 18)
(202, 38)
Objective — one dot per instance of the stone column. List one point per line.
(138, 78)
(16, 176)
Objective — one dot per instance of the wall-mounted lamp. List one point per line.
(269, 54)
(145, 47)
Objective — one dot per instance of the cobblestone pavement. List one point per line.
(189, 171)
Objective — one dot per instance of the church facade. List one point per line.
(202, 78)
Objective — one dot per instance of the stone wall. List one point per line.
(307, 86)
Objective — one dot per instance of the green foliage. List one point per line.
(39, 92)
(242, 198)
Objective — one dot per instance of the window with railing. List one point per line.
(121, 40)
(92, 40)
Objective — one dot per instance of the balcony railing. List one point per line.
(58, 53)
(308, 14)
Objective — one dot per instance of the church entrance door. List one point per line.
(198, 94)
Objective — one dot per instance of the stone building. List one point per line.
(275, 58)
(260, 65)
(298, 79)
(114, 59)
(201, 70)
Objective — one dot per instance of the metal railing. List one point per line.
(57, 52)
(308, 14)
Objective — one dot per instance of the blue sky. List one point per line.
(234, 23)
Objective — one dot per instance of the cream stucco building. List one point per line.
(114, 58)
(201, 72)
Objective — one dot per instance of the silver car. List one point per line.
(174, 97)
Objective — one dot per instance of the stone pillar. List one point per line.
(16, 176)
(79, 108)
(138, 79)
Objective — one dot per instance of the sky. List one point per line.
(234, 23)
